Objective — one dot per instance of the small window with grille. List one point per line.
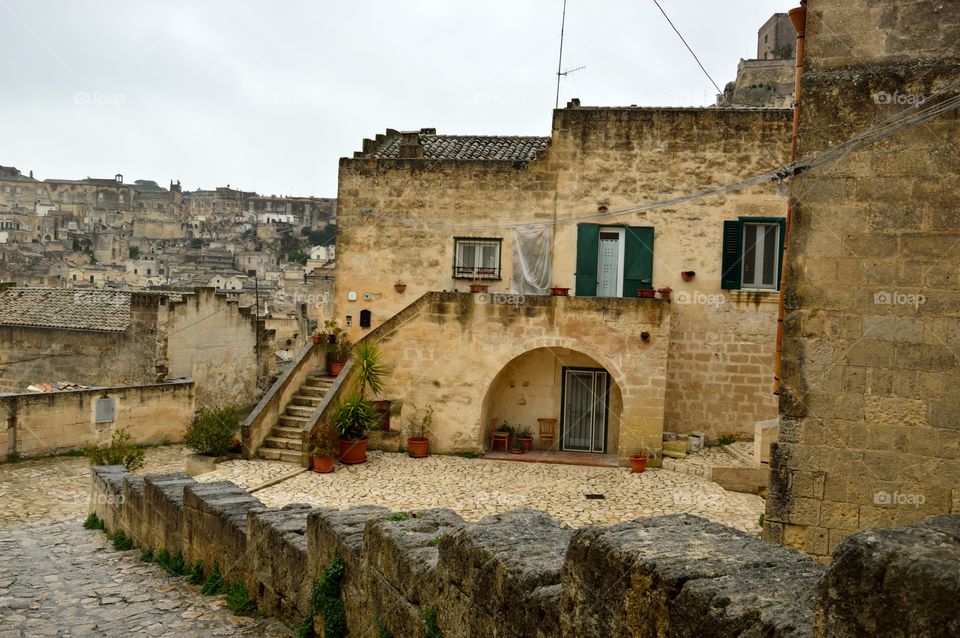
(476, 258)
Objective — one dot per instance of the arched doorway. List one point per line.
(557, 383)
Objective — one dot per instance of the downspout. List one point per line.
(798, 16)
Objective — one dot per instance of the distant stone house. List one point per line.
(425, 216)
(113, 338)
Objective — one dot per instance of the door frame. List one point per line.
(621, 255)
(563, 403)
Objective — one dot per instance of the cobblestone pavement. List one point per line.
(58, 579)
(477, 487)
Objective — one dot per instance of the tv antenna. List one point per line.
(561, 73)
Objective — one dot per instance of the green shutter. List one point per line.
(783, 236)
(730, 266)
(588, 245)
(637, 260)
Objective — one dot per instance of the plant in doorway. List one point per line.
(517, 447)
(418, 443)
(524, 435)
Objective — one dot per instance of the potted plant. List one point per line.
(399, 286)
(322, 449)
(356, 415)
(337, 354)
(316, 337)
(638, 462)
(478, 287)
(211, 437)
(646, 293)
(687, 275)
(560, 292)
(516, 447)
(418, 445)
(665, 292)
(525, 437)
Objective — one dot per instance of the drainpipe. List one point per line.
(798, 16)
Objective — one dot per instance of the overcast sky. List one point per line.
(267, 96)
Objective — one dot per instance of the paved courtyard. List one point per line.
(477, 487)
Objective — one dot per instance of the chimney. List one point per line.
(410, 147)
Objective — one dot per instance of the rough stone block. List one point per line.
(893, 582)
(163, 506)
(106, 494)
(276, 561)
(504, 572)
(215, 526)
(400, 558)
(682, 575)
(131, 518)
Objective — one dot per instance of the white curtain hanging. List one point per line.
(532, 261)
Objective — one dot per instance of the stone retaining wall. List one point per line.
(522, 573)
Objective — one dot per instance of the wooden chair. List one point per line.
(498, 436)
(548, 432)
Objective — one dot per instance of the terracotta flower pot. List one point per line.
(638, 464)
(353, 451)
(560, 292)
(315, 338)
(665, 294)
(526, 442)
(400, 288)
(646, 293)
(687, 275)
(336, 367)
(516, 450)
(479, 287)
(322, 464)
(418, 447)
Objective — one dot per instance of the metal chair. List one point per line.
(498, 436)
(548, 432)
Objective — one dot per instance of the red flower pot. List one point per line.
(322, 465)
(418, 448)
(646, 293)
(527, 443)
(400, 287)
(479, 287)
(353, 451)
(638, 464)
(336, 367)
(560, 292)
(315, 338)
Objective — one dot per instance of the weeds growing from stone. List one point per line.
(196, 573)
(121, 542)
(240, 602)
(147, 555)
(399, 516)
(93, 522)
(214, 584)
(430, 626)
(382, 631)
(327, 603)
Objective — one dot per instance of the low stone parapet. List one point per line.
(522, 573)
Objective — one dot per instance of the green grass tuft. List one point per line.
(121, 542)
(93, 522)
(399, 516)
(240, 602)
(430, 626)
(214, 584)
(196, 573)
(147, 555)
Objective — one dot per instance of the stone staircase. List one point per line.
(284, 442)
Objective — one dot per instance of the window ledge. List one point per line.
(763, 295)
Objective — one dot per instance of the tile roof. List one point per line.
(99, 310)
(468, 147)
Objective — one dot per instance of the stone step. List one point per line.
(285, 433)
(293, 421)
(310, 391)
(741, 452)
(270, 454)
(303, 399)
(299, 410)
(319, 382)
(279, 443)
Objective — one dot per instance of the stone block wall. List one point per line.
(869, 412)
(521, 573)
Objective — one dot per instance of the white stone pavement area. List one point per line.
(477, 487)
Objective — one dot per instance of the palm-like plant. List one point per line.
(370, 369)
(355, 417)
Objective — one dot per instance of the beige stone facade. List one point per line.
(401, 213)
(869, 411)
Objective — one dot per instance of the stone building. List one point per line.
(112, 338)
(869, 407)
(767, 81)
(522, 215)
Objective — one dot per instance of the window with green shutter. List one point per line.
(752, 254)
(635, 269)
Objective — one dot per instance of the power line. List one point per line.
(932, 106)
